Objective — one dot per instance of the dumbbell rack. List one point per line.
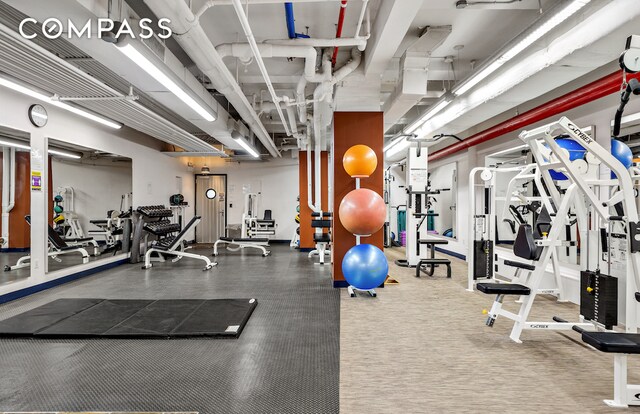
(154, 220)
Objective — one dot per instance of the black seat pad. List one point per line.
(435, 261)
(638, 296)
(325, 214)
(433, 241)
(322, 237)
(503, 289)
(520, 265)
(622, 343)
(247, 240)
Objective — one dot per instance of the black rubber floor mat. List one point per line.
(131, 318)
(42, 317)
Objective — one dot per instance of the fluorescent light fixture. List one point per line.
(247, 147)
(63, 153)
(145, 64)
(15, 144)
(8, 142)
(439, 106)
(508, 150)
(399, 146)
(42, 97)
(553, 22)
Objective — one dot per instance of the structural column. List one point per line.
(352, 128)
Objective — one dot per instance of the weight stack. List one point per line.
(599, 298)
(482, 259)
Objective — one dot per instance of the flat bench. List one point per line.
(433, 263)
(612, 342)
(503, 289)
(242, 243)
(621, 345)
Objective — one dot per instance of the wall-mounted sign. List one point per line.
(36, 181)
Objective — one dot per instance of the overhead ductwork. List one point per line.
(412, 85)
(197, 45)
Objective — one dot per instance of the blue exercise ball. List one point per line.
(622, 153)
(365, 267)
(576, 152)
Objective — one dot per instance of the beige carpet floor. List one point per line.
(422, 347)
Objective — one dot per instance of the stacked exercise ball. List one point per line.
(362, 212)
(360, 161)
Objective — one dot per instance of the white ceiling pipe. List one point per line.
(244, 22)
(308, 53)
(291, 115)
(302, 85)
(359, 42)
(361, 18)
(197, 45)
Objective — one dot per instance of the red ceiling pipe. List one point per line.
(343, 7)
(595, 90)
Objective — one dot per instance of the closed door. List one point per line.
(211, 206)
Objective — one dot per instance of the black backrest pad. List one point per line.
(53, 236)
(524, 245)
(267, 215)
(186, 228)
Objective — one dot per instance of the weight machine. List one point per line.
(252, 226)
(484, 258)
(583, 185)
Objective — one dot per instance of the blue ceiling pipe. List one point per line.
(291, 23)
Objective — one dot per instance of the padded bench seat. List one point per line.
(245, 240)
(503, 289)
(435, 261)
(433, 241)
(620, 343)
(322, 237)
(520, 265)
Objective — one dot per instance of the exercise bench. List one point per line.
(174, 246)
(235, 244)
(621, 345)
(57, 247)
(432, 262)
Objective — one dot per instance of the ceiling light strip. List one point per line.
(156, 72)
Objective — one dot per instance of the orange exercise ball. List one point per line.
(362, 212)
(360, 161)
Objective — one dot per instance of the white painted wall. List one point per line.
(275, 180)
(153, 174)
(97, 187)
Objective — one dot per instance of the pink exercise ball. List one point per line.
(362, 212)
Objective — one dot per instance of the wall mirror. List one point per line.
(89, 213)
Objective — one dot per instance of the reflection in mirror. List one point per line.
(509, 214)
(90, 207)
(15, 236)
(442, 199)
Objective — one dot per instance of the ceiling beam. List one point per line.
(391, 25)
